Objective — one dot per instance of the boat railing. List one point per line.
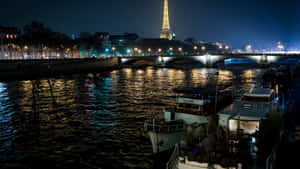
(153, 125)
(173, 162)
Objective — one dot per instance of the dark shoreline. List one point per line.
(30, 69)
(40, 68)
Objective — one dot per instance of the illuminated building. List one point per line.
(122, 42)
(8, 37)
(166, 33)
(9, 33)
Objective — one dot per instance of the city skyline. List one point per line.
(260, 23)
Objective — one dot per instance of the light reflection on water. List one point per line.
(94, 120)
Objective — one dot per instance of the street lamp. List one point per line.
(113, 49)
(149, 51)
(128, 51)
(195, 47)
(248, 48)
(203, 48)
(159, 50)
(280, 46)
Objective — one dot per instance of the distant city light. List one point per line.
(248, 48)
(280, 46)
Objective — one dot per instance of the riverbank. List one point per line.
(24, 69)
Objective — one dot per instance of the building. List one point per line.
(162, 47)
(8, 38)
(122, 44)
(166, 32)
(9, 33)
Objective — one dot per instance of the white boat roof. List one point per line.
(191, 101)
(259, 92)
(248, 110)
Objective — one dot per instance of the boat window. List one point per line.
(188, 106)
(196, 107)
(180, 105)
(257, 99)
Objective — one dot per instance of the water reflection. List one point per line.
(94, 120)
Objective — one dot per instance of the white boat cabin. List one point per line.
(189, 110)
(246, 114)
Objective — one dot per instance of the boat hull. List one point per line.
(164, 141)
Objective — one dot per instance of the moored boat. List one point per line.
(167, 131)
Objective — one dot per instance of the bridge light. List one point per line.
(203, 47)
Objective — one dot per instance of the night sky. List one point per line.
(237, 22)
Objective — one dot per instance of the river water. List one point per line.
(94, 120)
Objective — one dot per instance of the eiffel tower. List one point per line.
(166, 33)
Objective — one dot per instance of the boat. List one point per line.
(167, 131)
(242, 119)
(248, 111)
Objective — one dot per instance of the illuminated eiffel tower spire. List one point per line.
(166, 32)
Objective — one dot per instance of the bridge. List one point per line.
(209, 59)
